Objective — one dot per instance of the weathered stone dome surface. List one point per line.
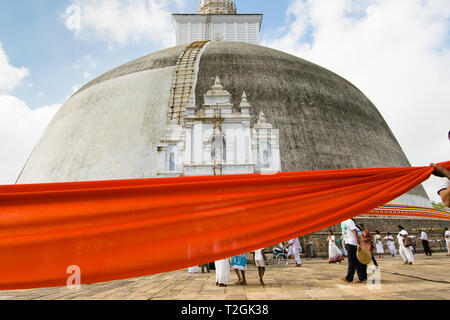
(110, 128)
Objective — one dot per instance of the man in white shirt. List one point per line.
(444, 191)
(426, 247)
(352, 245)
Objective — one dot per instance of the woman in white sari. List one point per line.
(222, 272)
(391, 244)
(334, 253)
(379, 244)
(405, 252)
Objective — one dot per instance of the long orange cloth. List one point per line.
(122, 229)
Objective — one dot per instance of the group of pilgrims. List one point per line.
(239, 264)
(337, 255)
(406, 244)
(406, 249)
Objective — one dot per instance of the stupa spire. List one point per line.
(217, 7)
(262, 118)
(217, 83)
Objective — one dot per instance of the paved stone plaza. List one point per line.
(427, 279)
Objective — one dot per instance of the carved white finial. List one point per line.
(262, 117)
(244, 102)
(217, 84)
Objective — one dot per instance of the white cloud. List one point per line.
(10, 76)
(85, 63)
(20, 127)
(20, 130)
(396, 52)
(118, 22)
(85, 66)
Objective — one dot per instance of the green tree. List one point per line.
(440, 205)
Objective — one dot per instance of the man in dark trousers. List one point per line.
(426, 247)
(352, 244)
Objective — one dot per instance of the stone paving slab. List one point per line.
(427, 279)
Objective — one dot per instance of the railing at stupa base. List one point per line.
(409, 211)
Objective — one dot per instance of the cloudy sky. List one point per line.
(396, 51)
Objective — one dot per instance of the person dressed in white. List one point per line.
(334, 253)
(447, 240)
(444, 191)
(296, 250)
(290, 250)
(222, 272)
(379, 244)
(405, 252)
(260, 263)
(391, 244)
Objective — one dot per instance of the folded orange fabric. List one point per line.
(122, 229)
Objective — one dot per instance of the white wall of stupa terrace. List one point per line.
(217, 21)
